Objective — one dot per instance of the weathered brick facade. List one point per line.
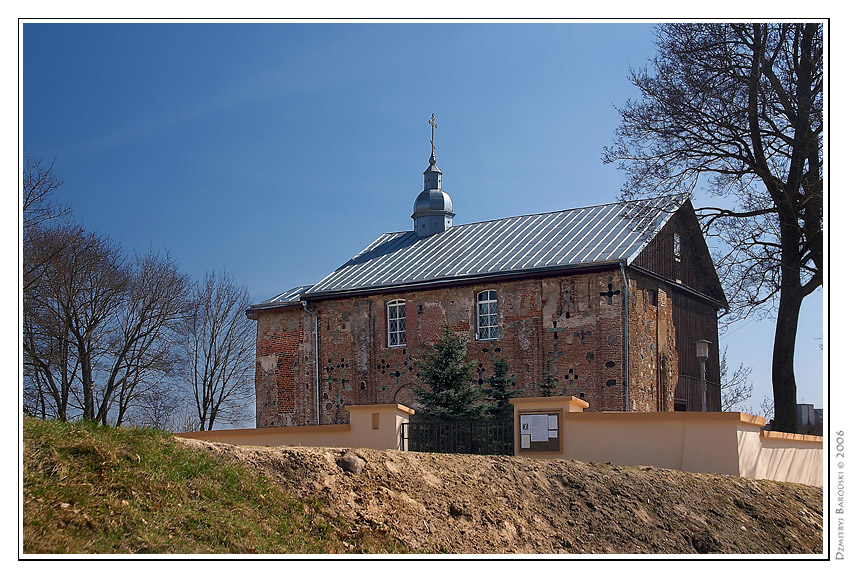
(572, 324)
(653, 354)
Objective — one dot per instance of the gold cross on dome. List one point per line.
(433, 126)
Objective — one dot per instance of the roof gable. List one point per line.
(694, 267)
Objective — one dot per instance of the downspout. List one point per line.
(625, 333)
(662, 394)
(718, 348)
(317, 382)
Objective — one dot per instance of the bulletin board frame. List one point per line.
(535, 424)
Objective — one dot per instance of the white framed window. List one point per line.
(487, 315)
(396, 323)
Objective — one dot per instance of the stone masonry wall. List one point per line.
(653, 359)
(570, 324)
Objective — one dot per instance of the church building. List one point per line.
(610, 299)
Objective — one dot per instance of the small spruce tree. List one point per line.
(500, 389)
(549, 383)
(451, 394)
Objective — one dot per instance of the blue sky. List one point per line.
(277, 151)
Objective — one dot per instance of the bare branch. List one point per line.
(39, 185)
(219, 345)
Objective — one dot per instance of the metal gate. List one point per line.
(473, 437)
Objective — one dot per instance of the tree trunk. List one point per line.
(786, 325)
(121, 410)
(87, 380)
(783, 352)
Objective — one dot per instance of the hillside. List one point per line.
(400, 502)
(494, 504)
(90, 490)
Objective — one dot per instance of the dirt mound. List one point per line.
(469, 504)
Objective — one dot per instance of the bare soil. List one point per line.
(466, 504)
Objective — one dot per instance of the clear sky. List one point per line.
(278, 151)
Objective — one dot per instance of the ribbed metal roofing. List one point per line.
(289, 297)
(556, 240)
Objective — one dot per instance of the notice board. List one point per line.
(539, 431)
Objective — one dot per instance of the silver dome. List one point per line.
(432, 202)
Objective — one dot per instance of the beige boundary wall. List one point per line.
(371, 426)
(784, 457)
(729, 443)
(552, 427)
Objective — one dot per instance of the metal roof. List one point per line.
(287, 298)
(557, 240)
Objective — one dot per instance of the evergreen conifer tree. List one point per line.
(451, 394)
(500, 390)
(549, 383)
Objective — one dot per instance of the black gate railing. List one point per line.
(473, 437)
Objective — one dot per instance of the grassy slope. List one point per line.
(90, 489)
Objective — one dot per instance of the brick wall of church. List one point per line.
(570, 324)
(284, 365)
(653, 358)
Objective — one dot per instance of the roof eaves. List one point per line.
(251, 312)
(293, 298)
(456, 280)
(719, 302)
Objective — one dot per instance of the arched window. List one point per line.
(396, 323)
(487, 310)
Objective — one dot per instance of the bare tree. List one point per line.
(39, 186)
(736, 388)
(144, 348)
(742, 105)
(90, 292)
(158, 407)
(185, 419)
(49, 365)
(97, 331)
(68, 301)
(220, 350)
(49, 371)
(767, 408)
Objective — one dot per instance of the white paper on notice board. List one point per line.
(552, 423)
(539, 427)
(526, 441)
